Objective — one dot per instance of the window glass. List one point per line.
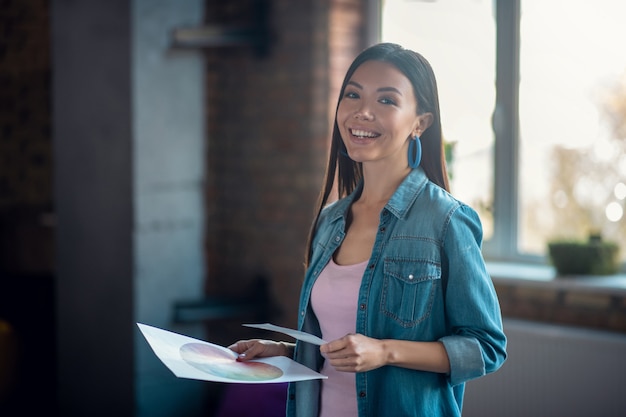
(572, 121)
(458, 38)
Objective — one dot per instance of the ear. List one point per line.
(423, 122)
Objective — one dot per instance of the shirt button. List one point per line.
(337, 238)
(382, 229)
(362, 306)
(411, 276)
(302, 313)
(371, 266)
(362, 394)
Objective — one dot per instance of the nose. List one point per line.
(364, 113)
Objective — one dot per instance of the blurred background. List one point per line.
(160, 161)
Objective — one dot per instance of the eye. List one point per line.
(351, 94)
(387, 100)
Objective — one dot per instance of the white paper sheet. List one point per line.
(296, 334)
(191, 358)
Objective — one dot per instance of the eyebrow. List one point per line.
(382, 89)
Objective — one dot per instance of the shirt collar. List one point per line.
(406, 194)
(399, 203)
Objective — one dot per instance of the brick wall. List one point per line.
(568, 305)
(268, 131)
(25, 140)
(25, 145)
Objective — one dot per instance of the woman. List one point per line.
(395, 278)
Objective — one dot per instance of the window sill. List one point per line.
(534, 292)
(541, 275)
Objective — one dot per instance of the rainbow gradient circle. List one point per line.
(214, 361)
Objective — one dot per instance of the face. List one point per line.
(377, 114)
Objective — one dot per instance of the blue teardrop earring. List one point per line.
(415, 152)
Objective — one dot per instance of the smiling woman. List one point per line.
(375, 117)
(395, 280)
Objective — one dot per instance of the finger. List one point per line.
(238, 347)
(343, 365)
(334, 346)
(245, 348)
(345, 369)
(253, 350)
(351, 364)
(260, 348)
(338, 354)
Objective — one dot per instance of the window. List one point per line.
(533, 101)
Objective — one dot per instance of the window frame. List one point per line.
(503, 246)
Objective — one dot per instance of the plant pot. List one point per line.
(584, 258)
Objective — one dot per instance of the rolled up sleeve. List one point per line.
(477, 343)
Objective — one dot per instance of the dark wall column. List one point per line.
(93, 202)
(129, 166)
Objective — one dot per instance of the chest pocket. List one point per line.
(409, 288)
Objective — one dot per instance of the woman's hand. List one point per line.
(355, 353)
(257, 348)
(359, 353)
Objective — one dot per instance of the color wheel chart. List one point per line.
(215, 361)
(191, 358)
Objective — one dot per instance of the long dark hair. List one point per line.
(349, 173)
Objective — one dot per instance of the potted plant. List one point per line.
(592, 257)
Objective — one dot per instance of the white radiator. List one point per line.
(553, 371)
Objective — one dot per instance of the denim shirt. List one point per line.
(426, 281)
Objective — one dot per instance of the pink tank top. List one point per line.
(334, 299)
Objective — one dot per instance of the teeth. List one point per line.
(364, 133)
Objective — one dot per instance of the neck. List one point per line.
(380, 183)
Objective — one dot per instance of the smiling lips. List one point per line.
(363, 134)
